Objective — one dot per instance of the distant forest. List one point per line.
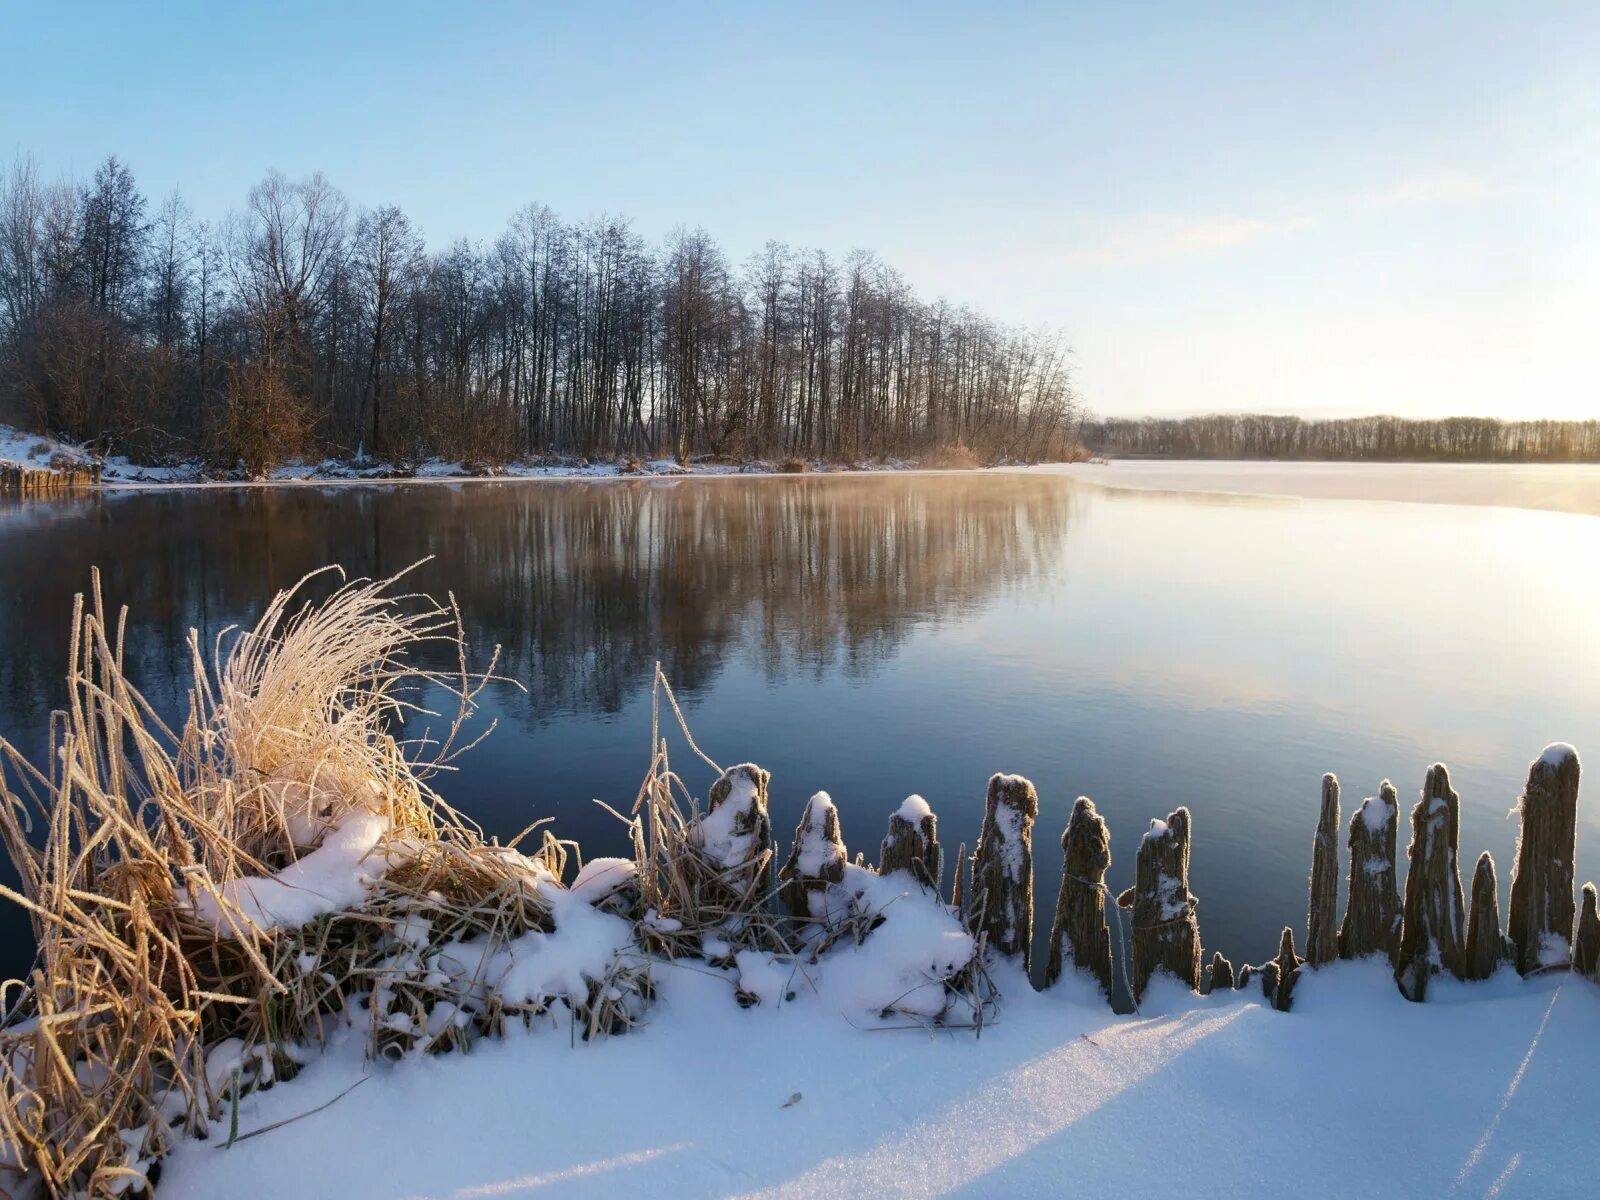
(301, 325)
(1464, 439)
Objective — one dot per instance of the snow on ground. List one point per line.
(1486, 1090)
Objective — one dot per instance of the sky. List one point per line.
(1316, 208)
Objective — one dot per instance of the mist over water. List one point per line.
(876, 636)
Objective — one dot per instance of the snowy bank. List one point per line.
(1486, 1090)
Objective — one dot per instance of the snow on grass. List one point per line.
(600, 877)
(333, 877)
(1487, 1089)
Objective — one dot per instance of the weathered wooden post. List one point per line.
(1540, 922)
(912, 844)
(1079, 934)
(1166, 931)
(1586, 945)
(1221, 974)
(1372, 911)
(1322, 920)
(735, 834)
(1433, 933)
(816, 860)
(1001, 903)
(1279, 975)
(1487, 947)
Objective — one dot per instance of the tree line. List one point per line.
(301, 325)
(1465, 439)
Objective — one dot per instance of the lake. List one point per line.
(876, 635)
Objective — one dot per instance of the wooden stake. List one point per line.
(1079, 934)
(1166, 931)
(1372, 912)
(912, 844)
(1001, 904)
(1433, 936)
(1487, 947)
(1540, 923)
(816, 860)
(1322, 920)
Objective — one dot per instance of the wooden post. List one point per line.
(912, 844)
(1586, 946)
(1279, 975)
(735, 833)
(1166, 931)
(1322, 920)
(1372, 912)
(1001, 903)
(816, 860)
(1432, 937)
(1079, 934)
(1487, 947)
(1221, 973)
(1540, 921)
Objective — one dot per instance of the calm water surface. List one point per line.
(874, 636)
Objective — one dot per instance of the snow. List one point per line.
(1556, 754)
(602, 876)
(816, 852)
(1484, 1090)
(1377, 811)
(332, 877)
(913, 809)
(725, 832)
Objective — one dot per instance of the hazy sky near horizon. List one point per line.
(1288, 207)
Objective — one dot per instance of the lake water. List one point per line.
(879, 635)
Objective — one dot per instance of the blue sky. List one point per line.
(1288, 207)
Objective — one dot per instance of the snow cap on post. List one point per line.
(1540, 920)
(1079, 934)
(1372, 912)
(1487, 947)
(1322, 930)
(816, 860)
(912, 844)
(1166, 931)
(1432, 935)
(1001, 903)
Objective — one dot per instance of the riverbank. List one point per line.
(39, 454)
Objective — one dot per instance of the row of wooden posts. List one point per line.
(1433, 932)
(18, 480)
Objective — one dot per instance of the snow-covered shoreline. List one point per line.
(119, 473)
(1479, 1092)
